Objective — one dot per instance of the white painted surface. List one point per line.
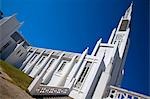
(106, 68)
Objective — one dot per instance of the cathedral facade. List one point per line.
(74, 75)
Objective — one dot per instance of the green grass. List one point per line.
(19, 78)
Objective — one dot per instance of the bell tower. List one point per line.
(115, 52)
(121, 33)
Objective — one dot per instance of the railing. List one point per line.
(119, 93)
(48, 91)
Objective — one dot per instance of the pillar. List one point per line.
(51, 70)
(34, 62)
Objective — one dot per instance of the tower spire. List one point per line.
(128, 12)
(122, 28)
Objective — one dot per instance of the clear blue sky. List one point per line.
(72, 25)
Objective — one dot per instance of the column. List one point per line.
(58, 79)
(96, 47)
(38, 79)
(76, 69)
(51, 70)
(43, 64)
(27, 60)
(34, 62)
(103, 83)
(112, 36)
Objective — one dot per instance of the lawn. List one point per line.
(19, 78)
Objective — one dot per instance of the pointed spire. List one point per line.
(86, 50)
(128, 11)
(96, 47)
(99, 41)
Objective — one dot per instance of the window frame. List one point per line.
(62, 65)
(33, 58)
(83, 75)
(41, 60)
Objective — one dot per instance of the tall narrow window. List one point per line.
(83, 75)
(62, 66)
(52, 60)
(124, 25)
(18, 52)
(41, 60)
(34, 56)
(28, 54)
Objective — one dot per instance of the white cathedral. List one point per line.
(68, 75)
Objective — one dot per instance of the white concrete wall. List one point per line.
(17, 58)
(107, 63)
(9, 25)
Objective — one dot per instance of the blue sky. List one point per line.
(73, 25)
